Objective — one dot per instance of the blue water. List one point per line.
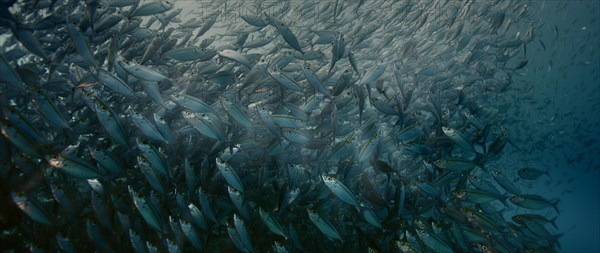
(563, 116)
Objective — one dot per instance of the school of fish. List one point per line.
(258, 126)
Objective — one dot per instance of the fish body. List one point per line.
(534, 202)
(373, 74)
(147, 211)
(143, 72)
(230, 175)
(115, 83)
(152, 8)
(324, 226)
(236, 111)
(31, 208)
(288, 36)
(529, 173)
(340, 190)
(73, 166)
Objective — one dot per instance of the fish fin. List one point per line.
(504, 198)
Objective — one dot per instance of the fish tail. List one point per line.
(553, 222)
(554, 240)
(555, 205)
(548, 174)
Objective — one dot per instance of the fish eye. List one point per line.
(484, 247)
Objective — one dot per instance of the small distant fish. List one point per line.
(530, 173)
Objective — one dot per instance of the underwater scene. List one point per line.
(300, 126)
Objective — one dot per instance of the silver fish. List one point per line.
(230, 175)
(31, 208)
(324, 226)
(340, 190)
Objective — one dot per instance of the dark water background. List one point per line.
(560, 117)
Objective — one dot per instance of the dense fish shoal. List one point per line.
(158, 126)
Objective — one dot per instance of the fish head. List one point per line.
(516, 199)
